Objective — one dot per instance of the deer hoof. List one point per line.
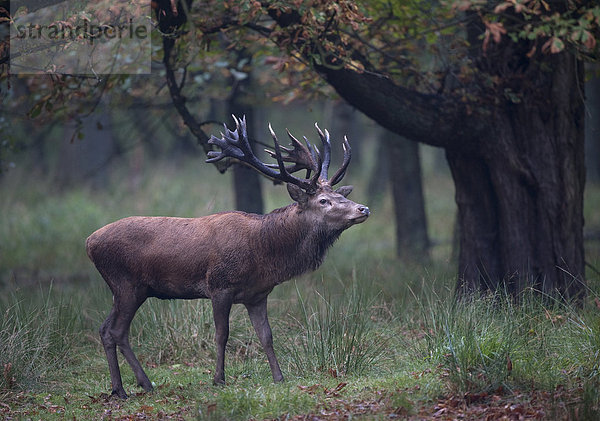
(119, 393)
(147, 386)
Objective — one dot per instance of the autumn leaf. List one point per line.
(553, 45)
(589, 41)
(502, 7)
(495, 30)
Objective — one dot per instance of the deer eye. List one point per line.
(323, 201)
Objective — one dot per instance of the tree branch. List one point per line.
(427, 118)
(179, 100)
(434, 119)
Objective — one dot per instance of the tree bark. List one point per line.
(592, 125)
(412, 241)
(246, 181)
(520, 197)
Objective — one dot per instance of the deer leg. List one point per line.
(115, 331)
(221, 304)
(110, 348)
(120, 333)
(260, 321)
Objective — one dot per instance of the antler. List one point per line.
(235, 144)
(303, 157)
(341, 172)
(326, 160)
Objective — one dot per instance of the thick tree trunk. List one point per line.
(520, 196)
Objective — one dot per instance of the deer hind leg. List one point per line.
(260, 321)
(110, 348)
(115, 331)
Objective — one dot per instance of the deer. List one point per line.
(229, 257)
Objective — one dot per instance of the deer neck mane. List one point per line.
(294, 241)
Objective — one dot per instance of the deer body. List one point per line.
(247, 253)
(229, 258)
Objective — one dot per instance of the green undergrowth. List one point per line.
(332, 349)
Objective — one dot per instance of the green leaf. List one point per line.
(36, 110)
(557, 45)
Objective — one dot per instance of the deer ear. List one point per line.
(297, 194)
(344, 190)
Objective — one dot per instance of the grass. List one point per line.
(334, 336)
(362, 335)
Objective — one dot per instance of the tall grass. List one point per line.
(38, 334)
(334, 335)
(496, 343)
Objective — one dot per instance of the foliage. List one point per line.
(419, 43)
(423, 45)
(551, 30)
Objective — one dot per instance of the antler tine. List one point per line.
(326, 159)
(278, 156)
(234, 146)
(303, 160)
(301, 156)
(337, 177)
(313, 151)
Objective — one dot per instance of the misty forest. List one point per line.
(409, 189)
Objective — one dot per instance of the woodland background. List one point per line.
(473, 289)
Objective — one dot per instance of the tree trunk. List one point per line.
(90, 156)
(345, 121)
(520, 196)
(379, 177)
(592, 125)
(246, 181)
(412, 241)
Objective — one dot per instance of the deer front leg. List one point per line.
(221, 304)
(260, 321)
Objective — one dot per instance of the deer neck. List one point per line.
(295, 244)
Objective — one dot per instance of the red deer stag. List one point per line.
(228, 257)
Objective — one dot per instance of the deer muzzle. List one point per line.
(363, 212)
